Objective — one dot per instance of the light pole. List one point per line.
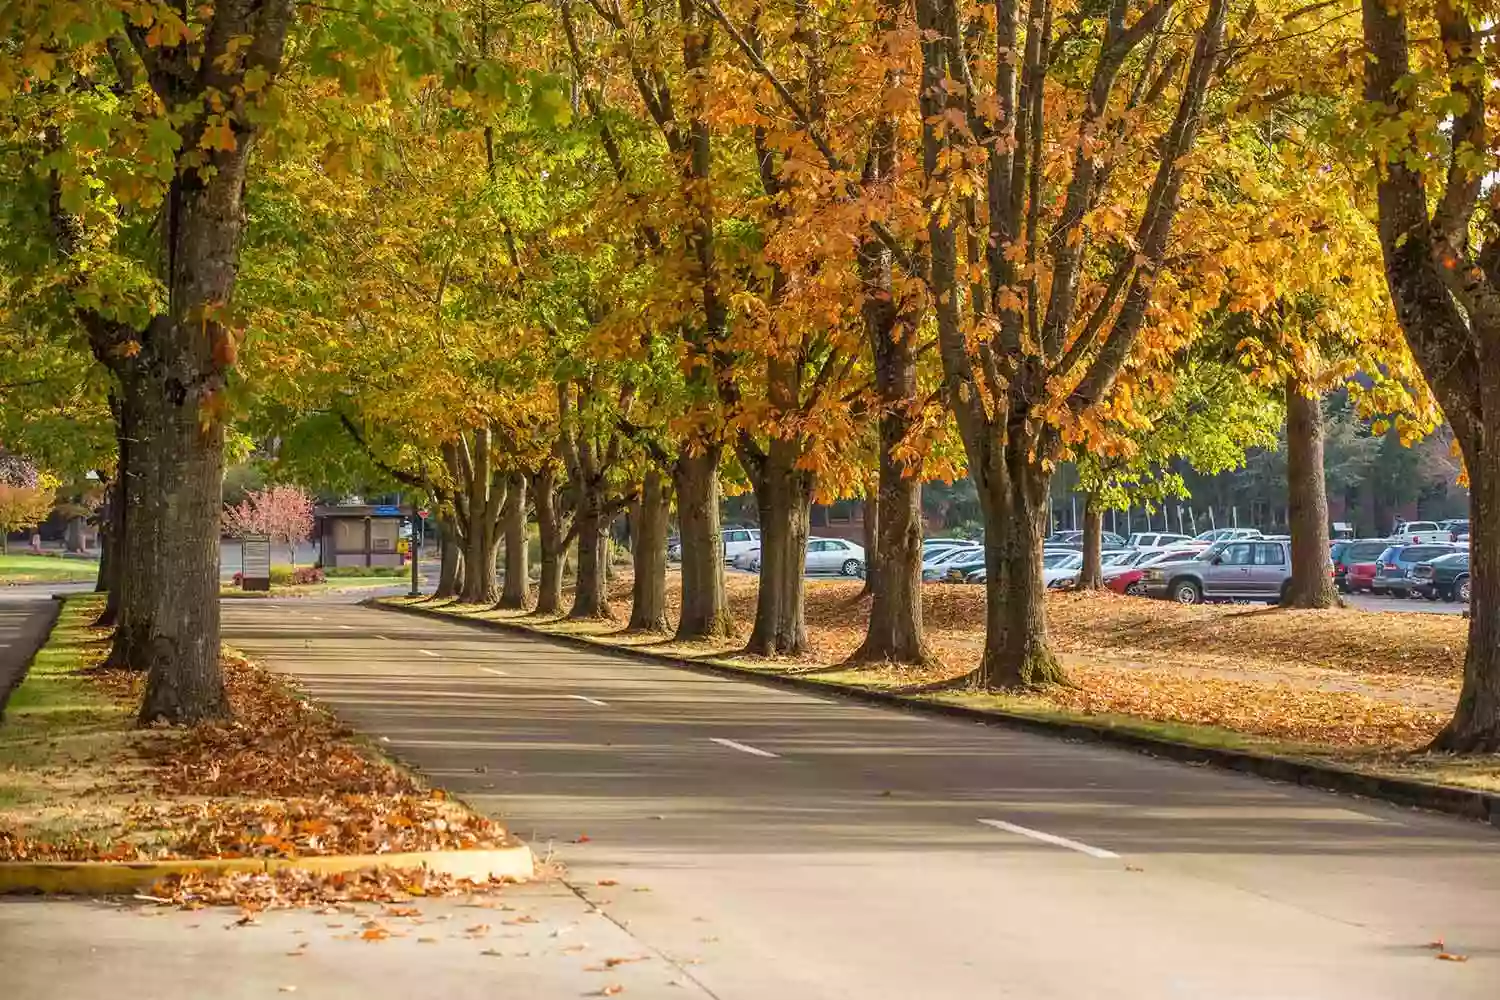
(418, 525)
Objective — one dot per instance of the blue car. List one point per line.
(1393, 568)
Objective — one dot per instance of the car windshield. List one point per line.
(1052, 560)
(1119, 558)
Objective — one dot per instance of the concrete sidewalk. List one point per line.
(535, 942)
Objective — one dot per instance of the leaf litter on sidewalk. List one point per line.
(283, 779)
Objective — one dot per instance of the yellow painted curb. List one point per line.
(105, 878)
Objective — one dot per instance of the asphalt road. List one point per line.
(26, 613)
(781, 846)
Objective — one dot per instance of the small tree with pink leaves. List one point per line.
(281, 513)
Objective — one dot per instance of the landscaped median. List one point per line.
(306, 581)
(280, 805)
(1340, 699)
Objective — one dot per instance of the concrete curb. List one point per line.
(105, 878)
(1465, 802)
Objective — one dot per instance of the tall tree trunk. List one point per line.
(870, 529)
(486, 490)
(1091, 576)
(1475, 726)
(517, 573)
(783, 494)
(551, 532)
(450, 562)
(705, 606)
(178, 460)
(648, 608)
(590, 598)
(1311, 585)
(894, 628)
(1013, 499)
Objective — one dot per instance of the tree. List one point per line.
(281, 513)
(1428, 135)
(26, 496)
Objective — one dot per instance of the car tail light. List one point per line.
(1391, 565)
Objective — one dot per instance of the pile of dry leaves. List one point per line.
(283, 779)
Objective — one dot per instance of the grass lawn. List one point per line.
(334, 586)
(1359, 689)
(18, 569)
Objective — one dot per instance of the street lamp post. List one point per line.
(418, 529)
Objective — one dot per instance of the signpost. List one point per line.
(255, 563)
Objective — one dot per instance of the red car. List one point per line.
(1128, 582)
(1360, 577)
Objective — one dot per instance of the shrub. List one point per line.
(336, 571)
(287, 576)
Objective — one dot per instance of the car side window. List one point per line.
(1237, 555)
(1269, 555)
(817, 545)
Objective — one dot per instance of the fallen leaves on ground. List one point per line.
(293, 887)
(283, 780)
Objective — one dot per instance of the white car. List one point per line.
(738, 541)
(824, 556)
(1060, 570)
(1417, 532)
(1155, 540)
(1206, 538)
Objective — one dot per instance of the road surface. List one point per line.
(26, 613)
(777, 845)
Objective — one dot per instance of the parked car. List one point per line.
(1457, 528)
(1074, 540)
(1360, 577)
(1349, 553)
(1155, 540)
(824, 556)
(935, 567)
(738, 540)
(1060, 571)
(1397, 561)
(1445, 577)
(959, 568)
(835, 555)
(674, 549)
(1257, 569)
(1417, 532)
(932, 546)
(1213, 535)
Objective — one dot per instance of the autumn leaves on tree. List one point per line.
(608, 259)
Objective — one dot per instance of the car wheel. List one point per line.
(1134, 589)
(1377, 591)
(1186, 592)
(1462, 589)
(851, 567)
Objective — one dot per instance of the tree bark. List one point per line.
(648, 608)
(1091, 576)
(517, 587)
(450, 563)
(783, 494)
(705, 607)
(1311, 585)
(486, 493)
(1013, 500)
(551, 531)
(894, 628)
(178, 461)
(590, 598)
(1475, 726)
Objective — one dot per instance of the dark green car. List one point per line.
(1445, 577)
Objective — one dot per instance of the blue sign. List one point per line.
(388, 510)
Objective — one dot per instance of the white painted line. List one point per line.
(386, 638)
(316, 618)
(1050, 838)
(591, 701)
(427, 652)
(492, 670)
(349, 627)
(743, 748)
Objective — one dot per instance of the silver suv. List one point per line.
(1256, 569)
